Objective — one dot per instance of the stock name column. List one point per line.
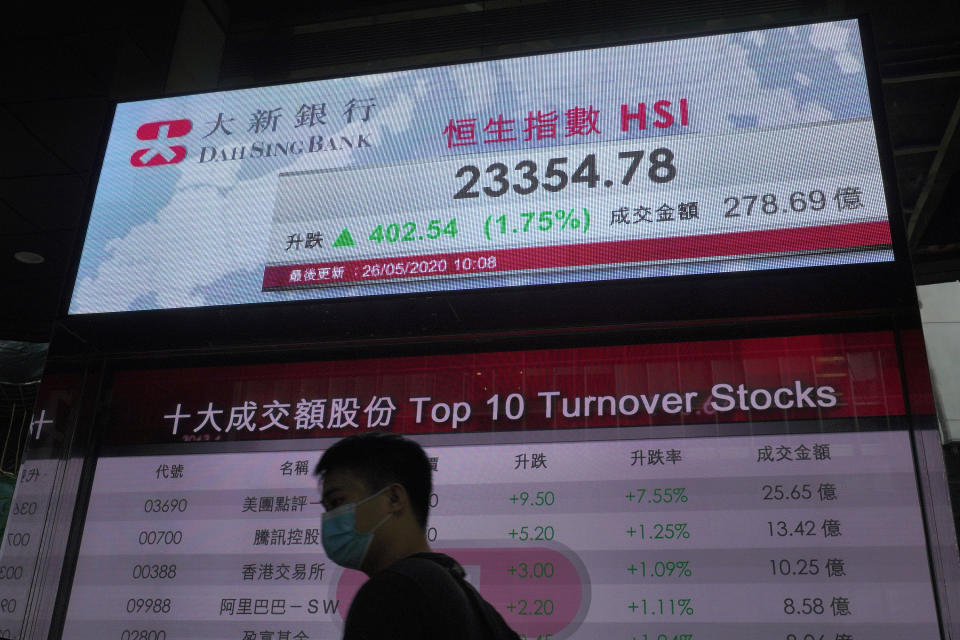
(184, 547)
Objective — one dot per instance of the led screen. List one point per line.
(734, 152)
(736, 489)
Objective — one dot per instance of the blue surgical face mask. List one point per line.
(341, 541)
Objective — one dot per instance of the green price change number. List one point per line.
(533, 498)
(412, 232)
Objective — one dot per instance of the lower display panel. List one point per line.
(800, 536)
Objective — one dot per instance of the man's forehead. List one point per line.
(341, 480)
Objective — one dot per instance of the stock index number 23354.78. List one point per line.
(530, 178)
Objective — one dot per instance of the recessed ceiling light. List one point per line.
(28, 257)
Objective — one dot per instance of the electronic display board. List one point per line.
(735, 152)
(728, 489)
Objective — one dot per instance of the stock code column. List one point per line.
(21, 541)
(796, 537)
(218, 546)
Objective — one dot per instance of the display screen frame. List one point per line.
(545, 306)
(905, 421)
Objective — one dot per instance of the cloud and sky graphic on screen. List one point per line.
(196, 234)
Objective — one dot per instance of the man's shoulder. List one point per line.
(426, 591)
(434, 566)
(426, 561)
(414, 586)
(420, 570)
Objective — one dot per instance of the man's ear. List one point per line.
(398, 497)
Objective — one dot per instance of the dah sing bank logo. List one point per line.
(160, 153)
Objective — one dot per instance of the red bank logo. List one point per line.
(159, 153)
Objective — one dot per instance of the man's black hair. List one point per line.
(379, 459)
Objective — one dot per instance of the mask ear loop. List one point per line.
(371, 496)
(377, 526)
(369, 535)
(382, 520)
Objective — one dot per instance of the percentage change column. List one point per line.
(659, 525)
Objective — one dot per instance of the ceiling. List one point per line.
(65, 68)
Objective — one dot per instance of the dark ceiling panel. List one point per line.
(55, 246)
(43, 68)
(46, 202)
(69, 128)
(248, 15)
(942, 235)
(922, 108)
(31, 158)
(915, 24)
(27, 312)
(270, 54)
(13, 222)
(912, 172)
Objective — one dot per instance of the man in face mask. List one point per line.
(376, 489)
